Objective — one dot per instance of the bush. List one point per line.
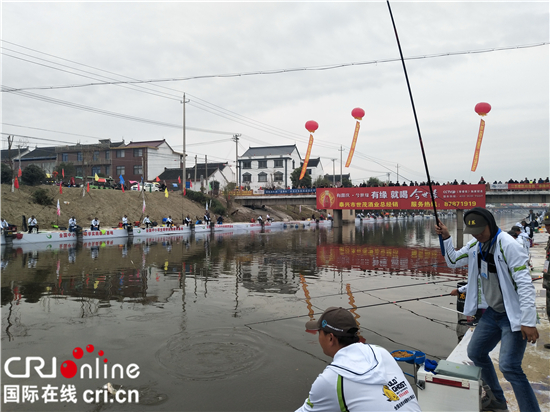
(42, 197)
(7, 174)
(33, 175)
(202, 199)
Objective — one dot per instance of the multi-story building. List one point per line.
(267, 166)
(148, 159)
(89, 159)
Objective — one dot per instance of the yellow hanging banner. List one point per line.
(353, 142)
(478, 145)
(304, 167)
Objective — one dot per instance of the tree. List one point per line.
(7, 174)
(346, 182)
(295, 175)
(70, 169)
(322, 182)
(33, 175)
(374, 182)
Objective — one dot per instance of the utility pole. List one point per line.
(398, 172)
(333, 173)
(237, 176)
(206, 173)
(184, 155)
(195, 169)
(10, 142)
(341, 179)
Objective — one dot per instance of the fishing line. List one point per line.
(443, 307)
(441, 322)
(357, 307)
(381, 288)
(417, 129)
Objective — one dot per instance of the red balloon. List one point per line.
(482, 108)
(358, 113)
(311, 126)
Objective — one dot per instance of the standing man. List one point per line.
(32, 223)
(361, 377)
(500, 263)
(187, 221)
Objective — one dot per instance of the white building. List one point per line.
(268, 167)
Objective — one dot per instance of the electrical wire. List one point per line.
(290, 70)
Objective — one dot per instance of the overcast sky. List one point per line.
(188, 47)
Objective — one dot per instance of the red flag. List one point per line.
(63, 173)
(19, 173)
(179, 180)
(88, 187)
(60, 188)
(16, 183)
(122, 187)
(157, 179)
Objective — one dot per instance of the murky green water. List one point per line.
(215, 322)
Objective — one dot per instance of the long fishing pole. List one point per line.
(358, 307)
(417, 128)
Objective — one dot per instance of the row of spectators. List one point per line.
(539, 181)
(455, 182)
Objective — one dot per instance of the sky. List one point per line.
(262, 70)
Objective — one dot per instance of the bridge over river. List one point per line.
(527, 197)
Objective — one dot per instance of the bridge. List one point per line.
(527, 197)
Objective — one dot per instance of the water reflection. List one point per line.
(197, 311)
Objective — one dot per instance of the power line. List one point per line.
(279, 71)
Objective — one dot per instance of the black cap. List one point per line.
(335, 320)
(475, 224)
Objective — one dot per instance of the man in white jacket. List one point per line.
(361, 377)
(500, 263)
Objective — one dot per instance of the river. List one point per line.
(214, 322)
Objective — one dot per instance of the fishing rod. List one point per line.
(417, 129)
(443, 307)
(358, 307)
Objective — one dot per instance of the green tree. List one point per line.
(7, 174)
(70, 169)
(42, 197)
(322, 182)
(346, 182)
(374, 181)
(33, 175)
(295, 175)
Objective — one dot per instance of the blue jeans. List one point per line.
(492, 328)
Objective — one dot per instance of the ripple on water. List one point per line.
(212, 354)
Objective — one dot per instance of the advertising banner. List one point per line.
(528, 186)
(402, 197)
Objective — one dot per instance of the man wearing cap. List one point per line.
(501, 263)
(361, 377)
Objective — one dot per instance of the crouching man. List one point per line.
(361, 377)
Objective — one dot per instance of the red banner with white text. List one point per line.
(402, 197)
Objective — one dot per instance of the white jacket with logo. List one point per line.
(361, 378)
(515, 281)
